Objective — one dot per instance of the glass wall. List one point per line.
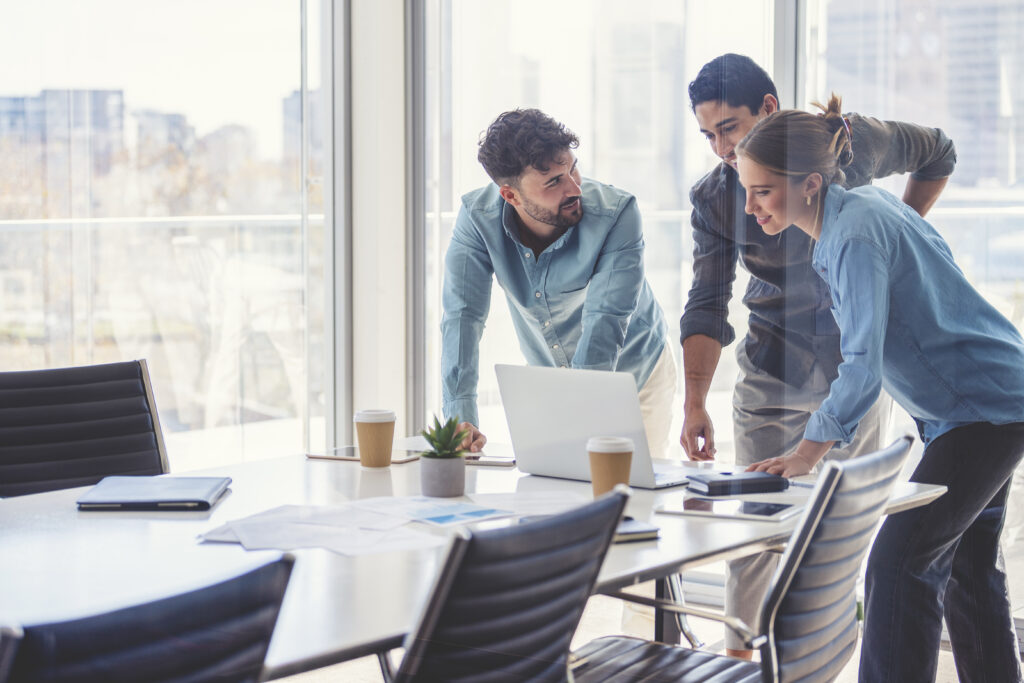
(616, 74)
(153, 205)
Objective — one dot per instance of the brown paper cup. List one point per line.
(375, 431)
(610, 458)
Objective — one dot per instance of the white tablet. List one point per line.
(730, 508)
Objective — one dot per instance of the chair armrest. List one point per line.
(750, 639)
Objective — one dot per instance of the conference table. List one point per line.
(58, 563)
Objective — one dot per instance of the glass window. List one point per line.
(152, 205)
(616, 74)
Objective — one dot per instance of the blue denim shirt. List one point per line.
(909, 321)
(790, 327)
(583, 303)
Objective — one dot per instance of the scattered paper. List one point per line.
(341, 528)
(532, 503)
(437, 511)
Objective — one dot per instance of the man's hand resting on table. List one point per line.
(475, 440)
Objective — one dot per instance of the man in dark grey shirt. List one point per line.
(791, 352)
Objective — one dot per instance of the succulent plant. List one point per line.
(444, 439)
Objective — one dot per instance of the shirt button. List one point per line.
(547, 323)
(537, 295)
(527, 254)
(554, 346)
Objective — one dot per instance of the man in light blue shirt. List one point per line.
(569, 254)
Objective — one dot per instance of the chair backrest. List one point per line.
(68, 427)
(810, 611)
(509, 599)
(217, 633)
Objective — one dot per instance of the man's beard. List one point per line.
(539, 213)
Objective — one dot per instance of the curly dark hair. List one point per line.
(734, 79)
(521, 138)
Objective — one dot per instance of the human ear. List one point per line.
(769, 104)
(509, 194)
(813, 184)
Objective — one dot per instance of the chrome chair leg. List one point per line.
(675, 591)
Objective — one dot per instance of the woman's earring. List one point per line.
(808, 198)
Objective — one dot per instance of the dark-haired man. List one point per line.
(791, 352)
(568, 252)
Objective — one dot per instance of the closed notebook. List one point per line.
(726, 484)
(630, 529)
(154, 493)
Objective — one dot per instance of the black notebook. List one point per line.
(731, 484)
(154, 493)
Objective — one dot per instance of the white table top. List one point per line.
(58, 563)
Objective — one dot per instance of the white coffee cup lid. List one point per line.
(609, 444)
(374, 416)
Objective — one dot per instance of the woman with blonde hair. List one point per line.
(909, 322)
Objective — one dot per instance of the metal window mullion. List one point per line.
(415, 257)
(788, 42)
(338, 220)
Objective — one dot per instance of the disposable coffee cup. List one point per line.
(375, 431)
(610, 458)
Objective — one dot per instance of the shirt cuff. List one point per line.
(707, 324)
(823, 427)
(464, 409)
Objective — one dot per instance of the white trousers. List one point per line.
(657, 397)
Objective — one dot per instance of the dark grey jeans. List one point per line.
(944, 560)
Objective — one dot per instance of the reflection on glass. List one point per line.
(151, 207)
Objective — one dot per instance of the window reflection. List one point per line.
(151, 206)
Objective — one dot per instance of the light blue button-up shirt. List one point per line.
(909, 321)
(583, 303)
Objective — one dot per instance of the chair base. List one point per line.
(622, 659)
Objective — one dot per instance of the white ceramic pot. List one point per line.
(443, 477)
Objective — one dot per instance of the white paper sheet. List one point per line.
(436, 511)
(341, 528)
(533, 502)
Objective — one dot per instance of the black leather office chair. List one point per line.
(809, 615)
(217, 633)
(508, 600)
(69, 427)
(10, 636)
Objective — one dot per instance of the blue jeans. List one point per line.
(943, 559)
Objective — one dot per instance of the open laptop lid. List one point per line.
(551, 413)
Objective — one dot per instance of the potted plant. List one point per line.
(442, 468)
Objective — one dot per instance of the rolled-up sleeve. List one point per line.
(466, 299)
(613, 293)
(860, 288)
(900, 147)
(714, 270)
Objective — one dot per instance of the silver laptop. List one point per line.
(551, 413)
